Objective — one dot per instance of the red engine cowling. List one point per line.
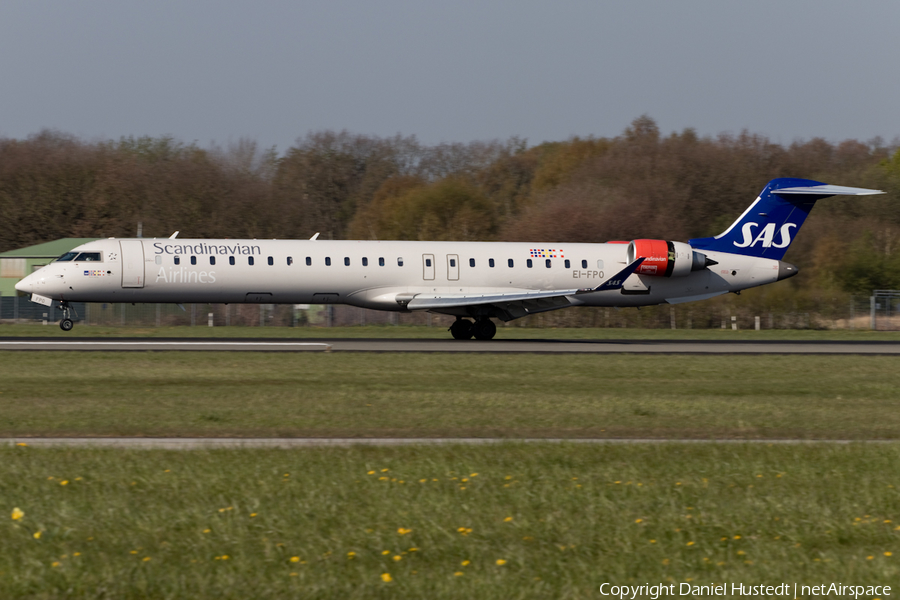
(666, 259)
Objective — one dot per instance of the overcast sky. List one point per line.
(216, 71)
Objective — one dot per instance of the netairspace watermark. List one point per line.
(787, 590)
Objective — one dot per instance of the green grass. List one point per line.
(413, 331)
(448, 395)
(565, 518)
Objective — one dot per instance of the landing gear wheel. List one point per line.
(484, 329)
(461, 329)
(66, 324)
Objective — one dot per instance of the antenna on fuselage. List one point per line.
(174, 235)
(315, 236)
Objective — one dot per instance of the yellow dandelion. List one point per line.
(638, 520)
(252, 515)
(54, 564)
(295, 559)
(413, 550)
(507, 519)
(652, 541)
(741, 553)
(386, 577)
(225, 557)
(690, 544)
(17, 513)
(207, 530)
(458, 574)
(508, 477)
(723, 539)
(76, 554)
(167, 471)
(888, 553)
(385, 552)
(133, 552)
(501, 562)
(385, 470)
(466, 563)
(23, 444)
(397, 558)
(665, 561)
(293, 575)
(473, 475)
(423, 480)
(37, 535)
(869, 557)
(403, 531)
(737, 537)
(370, 473)
(351, 554)
(146, 558)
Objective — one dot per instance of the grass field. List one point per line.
(412, 331)
(448, 395)
(511, 521)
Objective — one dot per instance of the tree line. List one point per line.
(348, 186)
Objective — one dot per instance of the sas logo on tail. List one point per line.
(766, 235)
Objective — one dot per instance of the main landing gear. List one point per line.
(67, 323)
(464, 329)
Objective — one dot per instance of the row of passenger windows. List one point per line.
(365, 262)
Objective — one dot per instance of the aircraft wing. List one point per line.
(510, 305)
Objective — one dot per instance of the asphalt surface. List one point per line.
(213, 443)
(450, 345)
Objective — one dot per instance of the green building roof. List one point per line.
(47, 249)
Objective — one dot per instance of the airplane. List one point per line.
(473, 281)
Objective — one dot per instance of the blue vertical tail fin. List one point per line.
(767, 227)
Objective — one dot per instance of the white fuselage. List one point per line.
(371, 274)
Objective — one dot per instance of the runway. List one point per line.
(139, 443)
(545, 346)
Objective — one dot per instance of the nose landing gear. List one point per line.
(482, 329)
(67, 323)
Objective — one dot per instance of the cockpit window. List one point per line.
(89, 257)
(67, 257)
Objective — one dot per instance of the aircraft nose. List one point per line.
(26, 285)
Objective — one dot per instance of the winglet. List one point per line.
(618, 280)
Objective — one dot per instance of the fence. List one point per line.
(881, 311)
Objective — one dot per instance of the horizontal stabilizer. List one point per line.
(825, 191)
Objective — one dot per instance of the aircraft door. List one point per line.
(132, 263)
(428, 267)
(453, 267)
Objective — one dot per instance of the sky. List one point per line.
(214, 72)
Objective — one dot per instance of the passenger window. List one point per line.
(600, 264)
(427, 262)
(584, 264)
(510, 263)
(400, 261)
(346, 261)
(365, 261)
(548, 263)
(290, 260)
(471, 262)
(177, 260)
(491, 263)
(528, 263)
(452, 262)
(568, 264)
(327, 261)
(193, 260)
(271, 261)
(308, 261)
(212, 260)
(381, 261)
(159, 260)
(250, 260)
(230, 260)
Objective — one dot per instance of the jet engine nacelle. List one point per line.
(667, 259)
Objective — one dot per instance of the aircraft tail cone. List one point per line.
(786, 270)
